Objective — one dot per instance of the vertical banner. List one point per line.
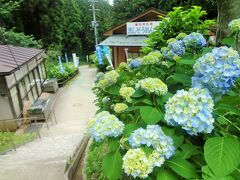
(108, 55)
(75, 59)
(66, 58)
(99, 53)
(61, 65)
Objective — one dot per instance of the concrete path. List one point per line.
(45, 158)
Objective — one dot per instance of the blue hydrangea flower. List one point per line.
(135, 63)
(174, 50)
(106, 125)
(153, 136)
(217, 70)
(192, 110)
(194, 41)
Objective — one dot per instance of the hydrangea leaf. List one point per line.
(187, 60)
(182, 167)
(113, 144)
(229, 41)
(206, 50)
(164, 174)
(114, 90)
(112, 165)
(138, 93)
(222, 155)
(188, 150)
(150, 115)
(182, 78)
(129, 128)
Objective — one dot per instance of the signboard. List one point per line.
(141, 28)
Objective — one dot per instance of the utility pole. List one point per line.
(94, 22)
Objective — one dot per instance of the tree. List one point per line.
(227, 11)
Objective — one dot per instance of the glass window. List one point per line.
(31, 98)
(38, 81)
(23, 90)
(35, 95)
(133, 55)
(27, 83)
(43, 70)
(15, 100)
(32, 80)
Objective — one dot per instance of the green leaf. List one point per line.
(222, 155)
(229, 41)
(182, 167)
(188, 150)
(229, 109)
(114, 90)
(177, 138)
(222, 120)
(206, 50)
(147, 150)
(164, 174)
(166, 97)
(138, 93)
(150, 115)
(112, 165)
(132, 108)
(113, 144)
(129, 128)
(182, 78)
(147, 101)
(187, 59)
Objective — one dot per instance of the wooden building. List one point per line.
(127, 38)
(22, 73)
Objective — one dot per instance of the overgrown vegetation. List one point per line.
(7, 139)
(178, 21)
(173, 113)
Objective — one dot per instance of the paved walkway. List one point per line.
(45, 158)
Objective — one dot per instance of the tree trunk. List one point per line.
(227, 11)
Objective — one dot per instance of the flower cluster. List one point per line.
(152, 85)
(123, 67)
(174, 50)
(106, 125)
(126, 92)
(120, 107)
(108, 79)
(192, 110)
(153, 136)
(217, 70)
(194, 41)
(99, 76)
(162, 149)
(135, 63)
(136, 163)
(152, 58)
(234, 25)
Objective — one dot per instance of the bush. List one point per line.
(177, 21)
(173, 126)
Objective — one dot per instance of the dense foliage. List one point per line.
(124, 9)
(178, 21)
(165, 122)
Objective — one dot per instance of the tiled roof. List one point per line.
(11, 57)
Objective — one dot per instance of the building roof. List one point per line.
(124, 40)
(12, 57)
(148, 12)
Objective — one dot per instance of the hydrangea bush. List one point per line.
(174, 115)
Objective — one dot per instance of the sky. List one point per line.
(111, 2)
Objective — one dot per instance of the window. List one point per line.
(15, 100)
